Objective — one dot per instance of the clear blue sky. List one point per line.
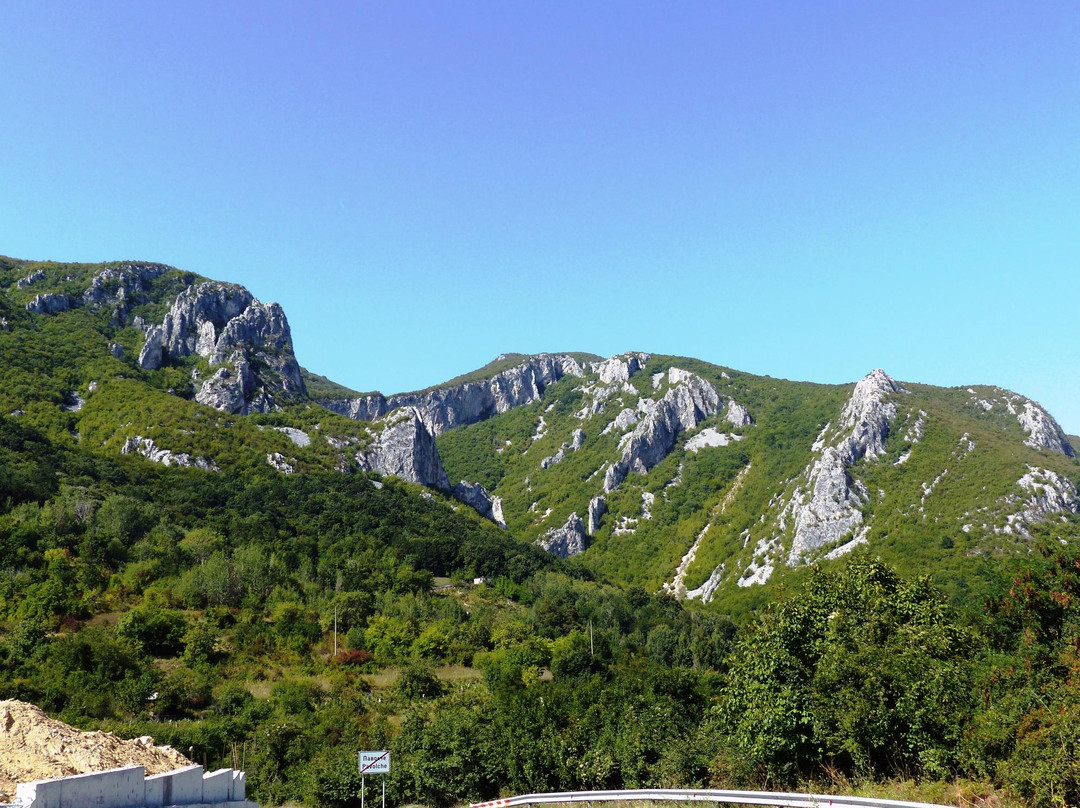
(804, 189)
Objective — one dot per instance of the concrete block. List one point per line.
(182, 786)
(216, 786)
(154, 790)
(115, 788)
(40, 794)
(239, 786)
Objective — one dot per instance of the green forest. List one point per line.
(220, 593)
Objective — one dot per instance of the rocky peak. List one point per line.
(565, 541)
(829, 506)
(236, 333)
(1043, 431)
(867, 415)
(619, 368)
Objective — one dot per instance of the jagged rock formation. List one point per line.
(1047, 495)
(460, 405)
(407, 450)
(619, 369)
(122, 287)
(477, 497)
(737, 415)
(688, 402)
(248, 343)
(614, 378)
(48, 304)
(567, 540)
(146, 447)
(577, 440)
(597, 509)
(830, 506)
(1043, 431)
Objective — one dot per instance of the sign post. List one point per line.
(377, 762)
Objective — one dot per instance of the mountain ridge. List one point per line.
(667, 471)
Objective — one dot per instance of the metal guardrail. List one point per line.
(773, 798)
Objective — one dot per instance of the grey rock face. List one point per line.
(577, 440)
(1046, 494)
(619, 368)
(122, 287)
(48, 304)
(1043, 431)
(460, 405)
(565, 541)
(228, 390)
(146, 447)
(31, 279)
(228, 326)
(477, 497)
(829, 507)
(690, 400)
(407, 450)
(597, 509)
(737, 414)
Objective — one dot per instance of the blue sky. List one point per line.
(802, 189)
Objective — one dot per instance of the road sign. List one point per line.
(375, 762)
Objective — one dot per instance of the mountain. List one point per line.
(669, 472)
(706, 482)
(554, 573)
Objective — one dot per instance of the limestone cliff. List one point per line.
(688, 402)
(828, 506)
(247, 344)
(565, 541)
(460, 405)
(407, 450)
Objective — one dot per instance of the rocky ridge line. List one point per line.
(460, 405)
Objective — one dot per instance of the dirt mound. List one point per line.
(36, 747)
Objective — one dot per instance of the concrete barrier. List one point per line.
(128, 787)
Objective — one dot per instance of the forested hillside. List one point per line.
(193, 548)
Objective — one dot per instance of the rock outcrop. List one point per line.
(463, 404)
(1046, 494)
(123, 287)
(688, 402)
(146, 447)
(248, 343)
(406, 449)
(829, 507)
(48, 304)
(577, 440)
(477, 497)
(1043, 432)
(565, 541)
(597, 509)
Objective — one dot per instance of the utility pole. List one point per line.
(335, 631)
(592, 649)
